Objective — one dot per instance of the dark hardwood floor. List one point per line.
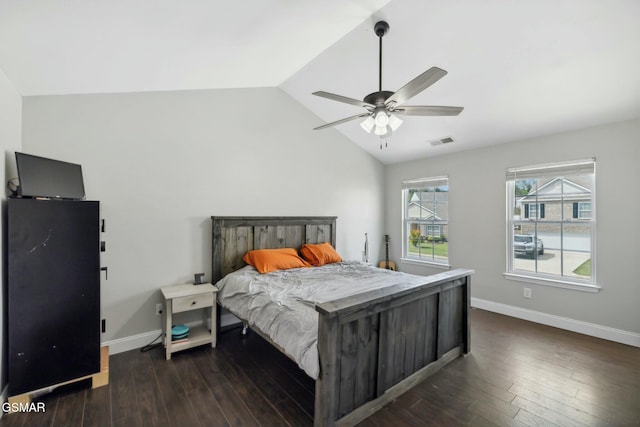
(518, 373)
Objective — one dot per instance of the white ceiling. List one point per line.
(520, 68)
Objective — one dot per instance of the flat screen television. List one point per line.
(42, 177)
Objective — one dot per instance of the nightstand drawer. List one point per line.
(192, 302)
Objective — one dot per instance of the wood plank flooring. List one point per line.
(518, 373)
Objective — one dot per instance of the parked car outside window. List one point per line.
(524, 245)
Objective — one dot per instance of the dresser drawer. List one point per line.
(192, 302)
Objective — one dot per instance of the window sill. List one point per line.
(552, 282)
(426, 263)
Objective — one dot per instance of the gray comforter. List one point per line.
(281, 304)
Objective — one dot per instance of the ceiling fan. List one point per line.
(384, 106)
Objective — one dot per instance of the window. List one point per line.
(425, 220)
(583, 209)
(532, 210)
(551, 227)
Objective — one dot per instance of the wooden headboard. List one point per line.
(233, 236)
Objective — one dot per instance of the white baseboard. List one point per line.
(120, 345)
(133, 342)
(586, 328)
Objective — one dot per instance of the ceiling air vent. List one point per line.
(441, 141)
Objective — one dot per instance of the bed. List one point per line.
(371, 346)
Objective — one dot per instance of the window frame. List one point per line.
(417, 184)
(581, 210)
(550, 172)
(538, 212)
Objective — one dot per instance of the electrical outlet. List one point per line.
(527, 292)
(158, 309)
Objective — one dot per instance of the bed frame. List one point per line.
(372, 346)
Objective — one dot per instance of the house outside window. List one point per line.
(551, 224)
(425, 220)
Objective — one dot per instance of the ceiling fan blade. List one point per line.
(344, 99)
(337, 122)
(427, 110)
(416, 85)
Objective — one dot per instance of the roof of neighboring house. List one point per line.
(557, 189)
(429, 205)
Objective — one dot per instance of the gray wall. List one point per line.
(477, 235)
(163, 163)
(10, 131)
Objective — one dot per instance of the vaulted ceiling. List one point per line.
(521, 69)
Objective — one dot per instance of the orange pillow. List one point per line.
(319, 254)
(268, 260)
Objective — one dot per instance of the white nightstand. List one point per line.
(179, 298)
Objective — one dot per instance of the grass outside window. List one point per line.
(584, 269)
(440, 249)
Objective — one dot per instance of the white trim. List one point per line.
(120, 345)
(133, 342)
(425, 263)
(586, 328)
(556, 283)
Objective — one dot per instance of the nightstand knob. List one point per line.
(193, 303)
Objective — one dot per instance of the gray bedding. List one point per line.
(281, 304)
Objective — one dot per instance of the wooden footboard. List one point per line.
(374, 346)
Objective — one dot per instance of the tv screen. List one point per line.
(42, 177)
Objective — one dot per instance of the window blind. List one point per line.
(423, 183)
(577, 167)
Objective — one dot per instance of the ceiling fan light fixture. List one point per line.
(382, 119)
(383, 131)
(394, 122)
(368, 124)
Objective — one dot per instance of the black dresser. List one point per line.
(53, 295)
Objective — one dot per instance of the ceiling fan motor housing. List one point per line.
(377, 98)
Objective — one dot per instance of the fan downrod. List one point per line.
(378, 98)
